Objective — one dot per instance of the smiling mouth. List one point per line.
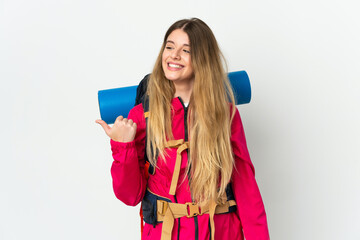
(172, 65)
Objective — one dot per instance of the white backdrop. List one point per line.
(302, 126)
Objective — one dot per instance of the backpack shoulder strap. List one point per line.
(145, 104)
(141, 90)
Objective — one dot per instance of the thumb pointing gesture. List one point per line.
(123, 130)
(104, 125)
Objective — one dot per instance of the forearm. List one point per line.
(250, 206)
(127, 172)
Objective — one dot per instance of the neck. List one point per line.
(183, 90)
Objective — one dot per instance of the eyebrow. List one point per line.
(169, 41)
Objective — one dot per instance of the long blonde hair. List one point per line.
(209, 118)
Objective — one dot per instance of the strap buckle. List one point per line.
(163, 207)
(192, 209)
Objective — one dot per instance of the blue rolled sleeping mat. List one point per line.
(119, 101)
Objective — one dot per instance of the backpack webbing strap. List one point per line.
(168, 212)
(181, 146)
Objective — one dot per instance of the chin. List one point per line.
(171, 77)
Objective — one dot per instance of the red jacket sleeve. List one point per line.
(127, 170)
(250, 206)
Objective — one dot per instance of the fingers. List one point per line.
(134, 126)
(119, 118)
(124, 121)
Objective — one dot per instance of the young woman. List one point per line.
(201, 182)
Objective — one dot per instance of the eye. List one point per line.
(186, 50)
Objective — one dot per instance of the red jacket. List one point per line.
(129, 184)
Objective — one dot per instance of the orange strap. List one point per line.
(146, 114)
(212, 208)
(181, 146)
(167, 212)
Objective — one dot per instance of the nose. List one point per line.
(175, 54)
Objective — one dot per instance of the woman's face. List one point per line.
(176, 59)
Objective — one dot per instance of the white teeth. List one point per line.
(174, 65)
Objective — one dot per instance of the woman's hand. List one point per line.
(123, 130)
